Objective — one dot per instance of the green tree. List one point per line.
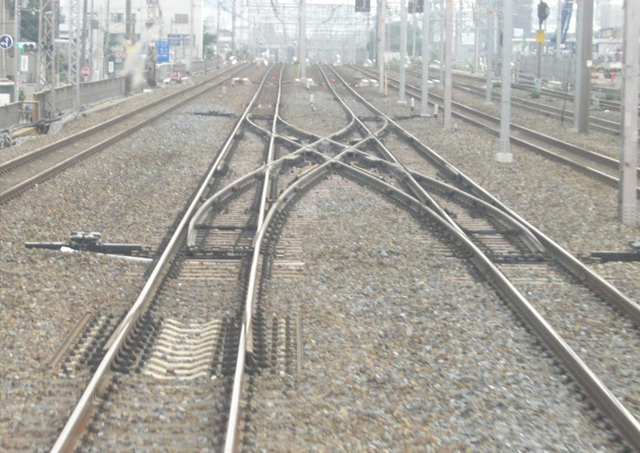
(208, 39)
(28, 20)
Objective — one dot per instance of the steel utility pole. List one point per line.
(83, 40)
(415, 30)
(442, 20)
(192, 40)
(381, 44)
(74, 52)
(233, 26)
(47, 55)
(218, 33)
(403, 49)
(491, 26)
(584, 35)
(424, 106)
(16, 52)
(3, 30)
(302, 38)
(558, 39)
(504, 153)
(459, 34)
(91, 52)
(627, 199)
(107, 38)
(448, 59)
(129, 39)
(476, 39)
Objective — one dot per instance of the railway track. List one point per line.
(510, 253)
(224, 345)
(27, 170)
(594, 164)
(477, 81)
(561, 113)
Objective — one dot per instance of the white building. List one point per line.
(179, 22)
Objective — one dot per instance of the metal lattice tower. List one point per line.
(74, 51)
(153, 15)
(330, 29)
(47, 54)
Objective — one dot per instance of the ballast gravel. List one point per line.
(45, 293)
(131, 192)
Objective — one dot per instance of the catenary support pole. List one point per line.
(302, 41)
(448, 60)
(381, 44)
(415, 31)
(192, 37)
(584, 35)
(17, 53)
(441, 23)
(504, 153)
(129, 38)
(403, 50)
(491, 26)
(627, 203)
(558, 41)
(426, 56)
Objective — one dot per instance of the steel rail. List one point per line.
(584, 153)
(577, 268)
(550, 92)
(422, 195)
(600, 124)
(9, 165)
(626, 423)
(82, 411)
(232, 441)
(595, 388)
(245, 345)
(57, 168)
(605, 160)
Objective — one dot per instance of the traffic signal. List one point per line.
(295, 42)
(363, 6)
(261, 42)
(543, 12)
(26, 45)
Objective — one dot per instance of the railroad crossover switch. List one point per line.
(87, 241)
(633, 254)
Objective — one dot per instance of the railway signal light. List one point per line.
(543, 12)
(363, 6)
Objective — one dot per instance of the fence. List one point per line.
(9, 115)
(561, 69)
(90, 92)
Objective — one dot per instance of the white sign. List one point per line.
(111, 67)
(24, 63)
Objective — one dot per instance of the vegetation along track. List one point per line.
(24, 171)
(597, 165)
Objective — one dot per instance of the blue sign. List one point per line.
(163, 51)
(6, 42)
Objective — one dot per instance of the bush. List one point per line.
(535, 94)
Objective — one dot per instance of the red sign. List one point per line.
(85, 71)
